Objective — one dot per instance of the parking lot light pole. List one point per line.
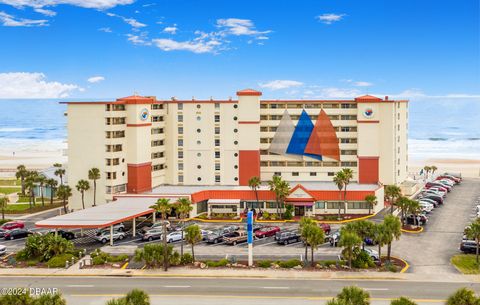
(111, 235)
(134, 227)
(56, 232)
(153, 216)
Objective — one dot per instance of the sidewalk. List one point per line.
(241, 273)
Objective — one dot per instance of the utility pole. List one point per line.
(165, 250)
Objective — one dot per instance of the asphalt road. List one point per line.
(96, 290)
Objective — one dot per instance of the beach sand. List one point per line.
(469, 168)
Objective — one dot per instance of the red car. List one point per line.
(325, 227)
(13, 225)
(451, 178)
(266, 232)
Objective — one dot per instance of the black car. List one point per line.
(287, 237)
(217, 237)
(468, 246)
(65, 234)
(2, 232)
(421, 220)
(17, 233)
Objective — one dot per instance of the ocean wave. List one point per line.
(14, 129)
(438, 139)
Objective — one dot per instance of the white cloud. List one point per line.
(95, 79)
(131, 21)
(96, 4)
(170, 30)
(238, 27)
(362, 84)
(333, 92)
(45, 12)
(281, 84)
(192, 46)
(32, 85)
(415, 93)
(330, 18)
(140, 39)
(106, 30)
(9, 20)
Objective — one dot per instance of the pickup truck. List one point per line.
(236, 238)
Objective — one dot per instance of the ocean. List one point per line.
(437, 128)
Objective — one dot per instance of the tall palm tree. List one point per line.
(192, 237)
(380, 236)
(184, 207)
(60, 172)
(433, 168)
(281, 189)
(393, 230)
(349, 241)
(371, 201)
(3, 204)
(94, 174)
(41, 180)
(403, 204)
(305, 228)
(414, 208)
(348, 175)
(52, 184)
(83, 186)
(254, 183)
(339, 180)
(426, 170)
(392, 193)
(22, 174)
(315, 238)
(30, 181)
(473, 232)
(164, 207)
(64, 192)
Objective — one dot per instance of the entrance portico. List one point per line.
(302, 201)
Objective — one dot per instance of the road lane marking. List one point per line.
(276, 287)
(186, 286)
(376, 289)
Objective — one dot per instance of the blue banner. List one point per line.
(250, 227)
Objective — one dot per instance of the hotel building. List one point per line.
(209, 149)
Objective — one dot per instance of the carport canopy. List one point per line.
(101, 216)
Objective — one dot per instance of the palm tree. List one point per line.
(64, 192)
(184, 207)
(280, 188)
(402, 301)
(164, 207)
(94, 174)
(371, 201)
(22, 174)
(426, 170)
(353, 295)
(473, 232)
(52, 184)
(315, 238)
(392, 193)
(380, 236)
(305, 228)
(60, 172)
(349, 241)
(3, 204)
(192, 237)
(403, 204)
(433, 168)
(254, 183)
(136, 296)
(414, 208)
(83, 186)
(393, 230)
(363, 228)
(30, 186)
(463, 296)
(41, 183)
(339, 180)
(348, 175)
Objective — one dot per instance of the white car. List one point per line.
(174, 236)
(438, 190)
(3, 250)
(426, 207)
(104, 236)
(373, 254)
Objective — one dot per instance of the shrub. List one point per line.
(288, 212)
(264, 264)
(152, 255)
(59, 261)
(2, 221)
(45, 247)
(117, 258)
(98, 260)
(221, 263)
(328, 263)
(363, 261)
(187, 258)
(290, 263)
(266, 215)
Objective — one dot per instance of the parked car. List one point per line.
(446, 182)
(2, 232)
(216, 237)
(287, 237)
(427, 200)
(437, 183)
(267, 231)
(325, 227)
(334, 239)
(69, 235)
(17, 233)
(369, 241)
(152, 234)
(373, 254)
(257, 227)
(453, 178)
(3, 250)
(13, 225)
(420, 220)
(456, 175)
(104, 236)
(230, 229)
(174, 236)
(437, 198)
(156, 225)
(205, 233)
(426, 207)
(468, 246)
(119, 227)
(438, 187)
(431, 191)
(236, 238)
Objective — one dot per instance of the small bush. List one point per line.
(98, 260)
(32, 263)
(186, 259)
(391, 267)
(264, 264)
(117, 258)
(363, 261)
(59, 261)
(221, 263)
(290, 263)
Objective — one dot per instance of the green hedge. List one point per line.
(290, 263)
(59, 261)
(221, 263)
(264, 264)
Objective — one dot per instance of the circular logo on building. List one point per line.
(144, 114)
(368, 112)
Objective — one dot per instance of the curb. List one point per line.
(412, 232)
(407, 266)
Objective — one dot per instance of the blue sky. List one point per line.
(425, 49)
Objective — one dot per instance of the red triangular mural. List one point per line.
(323, 140)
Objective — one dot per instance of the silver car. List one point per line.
(104, 236)
(3, 250)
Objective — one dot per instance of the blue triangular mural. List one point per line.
(300, 137)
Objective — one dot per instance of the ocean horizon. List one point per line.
(436, 129)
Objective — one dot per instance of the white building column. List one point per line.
(134, 227)
(111, 235)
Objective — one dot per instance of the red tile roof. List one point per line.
(249, 92)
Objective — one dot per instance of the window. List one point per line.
(349, 164)
(295, 174)
(115, 121)
(348, 117)
(180, 106)
(217, 118)
(116, 189)
(157, 118)
(199, 130)
(235, 154)
(217, 154)
(180, 166)
(157, 106)
(199, 118)
(157, 143)
(199, 142)
(217, 130)
(217, 166)
(157, 155)
(111, 175)
(111, 162)
(217, 105)
(217, 178)
(330, 174)
(199, 154)
(320, 204)
(199, 166)
(157, 167)
(115, 134)
(235, 166)
(277, 173)
(157, 130)
(349, 152)
(217, 142)
(198, 106)
(357, 205)
(180, 142)
(199, 178)
(114, 148)
(236, 178)
(335, 205)
(235, 130)
(180, 154)
(180, 178)
(313, 174)
(180, 118)
(348, 140)
(180, 130)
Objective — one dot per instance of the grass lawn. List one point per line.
(25, 208)
(466, 263)
(9, 190)
(10, 182)
(23, 199)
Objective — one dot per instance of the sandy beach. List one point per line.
(467, 167)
